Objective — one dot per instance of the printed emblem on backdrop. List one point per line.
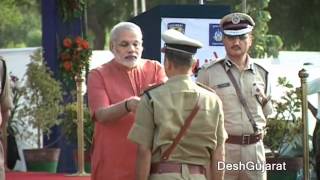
(215, 35)
(177, 26)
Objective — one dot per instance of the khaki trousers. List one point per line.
(253, 154)
(184, 175)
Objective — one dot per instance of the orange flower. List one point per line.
(67, 42)
(67, 65)
(74, 55)
(85, 44)
(78, 41)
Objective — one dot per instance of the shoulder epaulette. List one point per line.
(210, 64)
(261, 67)
(4, 75)
(153, 86)
(266, 80)
(150, 88)
(205, 87)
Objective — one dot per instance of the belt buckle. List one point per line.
(246, 139)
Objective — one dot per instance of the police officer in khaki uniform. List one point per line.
(245, 119)
(179, 125)
(5, 109)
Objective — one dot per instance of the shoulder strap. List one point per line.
(4, 74)
(183, 130)
(242, 99)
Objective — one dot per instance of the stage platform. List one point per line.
(42, 176)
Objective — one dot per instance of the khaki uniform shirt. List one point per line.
(159, 119)
(5, 105)
(236, 120)
(6, 97)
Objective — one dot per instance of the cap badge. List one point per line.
(177, 26)
(235, 19)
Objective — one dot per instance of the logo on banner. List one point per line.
(215, 35)
(177, 26)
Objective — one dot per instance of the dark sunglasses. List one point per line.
(241, 37)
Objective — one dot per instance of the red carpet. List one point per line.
(41, 176)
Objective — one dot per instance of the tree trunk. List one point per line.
(38, 138)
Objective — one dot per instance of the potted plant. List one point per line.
(69, 127)
(284, 133)
(40, 109)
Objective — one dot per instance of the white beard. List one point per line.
(129, 64)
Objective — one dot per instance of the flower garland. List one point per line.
(74, 56)
(71, 9)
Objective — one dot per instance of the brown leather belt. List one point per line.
(168, 167)
(244, 139)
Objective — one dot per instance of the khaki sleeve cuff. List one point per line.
(143, 128)
(222, 134)
(267, 108)
(141, 136)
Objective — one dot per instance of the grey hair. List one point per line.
(124, 26)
